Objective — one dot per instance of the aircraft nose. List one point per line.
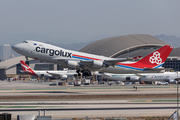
(17, 48)
(14, 47)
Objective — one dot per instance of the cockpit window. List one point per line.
(25, 42)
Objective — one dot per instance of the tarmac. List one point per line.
(80, 108)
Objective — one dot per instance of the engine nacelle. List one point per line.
(97, 64)
(63, 76)
(72, 64)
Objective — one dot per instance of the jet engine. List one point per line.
(71, 64)
(97, 64)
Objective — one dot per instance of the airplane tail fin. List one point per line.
(25, 67)
(157, 58)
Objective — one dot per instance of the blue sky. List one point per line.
(85, 20)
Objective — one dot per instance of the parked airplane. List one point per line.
(86, 63)
(166, 76)
(49, 74)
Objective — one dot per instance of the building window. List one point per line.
(44, 67)
(174, 64)
(59, 68)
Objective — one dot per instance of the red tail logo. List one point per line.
(26, 68)
(156, 58)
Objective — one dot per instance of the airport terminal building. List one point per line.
(115, 47)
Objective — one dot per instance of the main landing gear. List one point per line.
(84, 73)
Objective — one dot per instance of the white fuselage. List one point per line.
(42, 74)
(51, 53)
(55, 74)
(166, 76)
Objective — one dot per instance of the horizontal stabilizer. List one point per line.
(24, 71)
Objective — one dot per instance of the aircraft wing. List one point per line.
(110, 62)
(54, 74)
(92, 64)
(114, 61)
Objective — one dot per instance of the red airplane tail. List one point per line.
(154, 60)
(157, 58)
(26, 68)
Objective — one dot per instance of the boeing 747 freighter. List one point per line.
(87, 63)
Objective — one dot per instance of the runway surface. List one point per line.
(20, 88)
(91, 108)
(71, 108)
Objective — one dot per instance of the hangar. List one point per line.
(116, 47)
(132, 46)
(124, 46)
